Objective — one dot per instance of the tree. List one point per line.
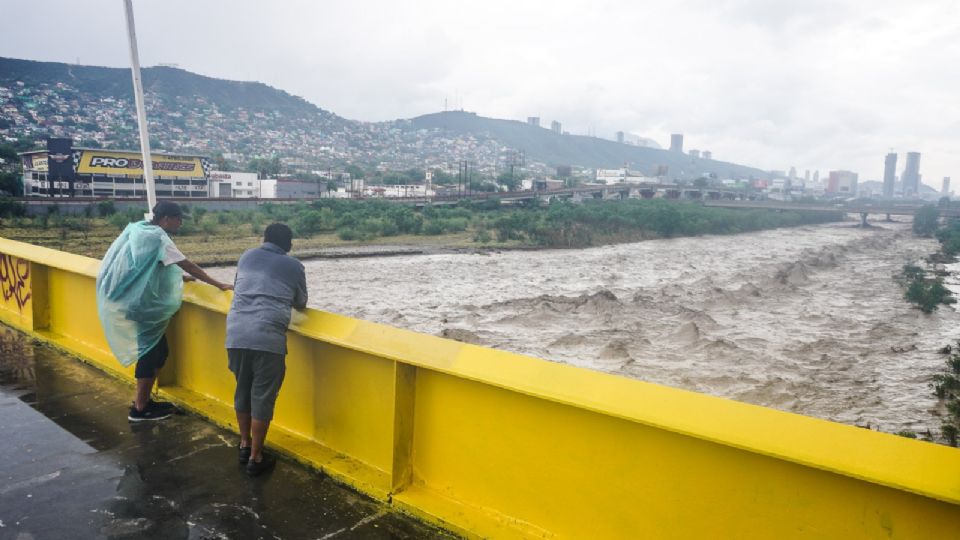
(354, 171)
(701, 182)
(220, 162)
(925, 220)
(264, 167)
(442, 178)
(10, 183)
(511, 181)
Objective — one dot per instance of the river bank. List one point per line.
(338, 229)
(223, 245)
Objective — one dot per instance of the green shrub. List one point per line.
(106, 208)
(306, 223)
(119, 221)
(434, 227)
(482, 237)
(925, 220)
(10, 208)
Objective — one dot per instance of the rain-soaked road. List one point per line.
(73, 467)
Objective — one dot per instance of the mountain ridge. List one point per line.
(189, 112)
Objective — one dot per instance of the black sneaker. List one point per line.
(254, 468)
(163, 406)
(245, 454)
(151, 412)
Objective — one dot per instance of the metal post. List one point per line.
(141, 112)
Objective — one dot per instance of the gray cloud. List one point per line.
(819, 84)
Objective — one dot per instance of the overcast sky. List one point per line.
(813, 84)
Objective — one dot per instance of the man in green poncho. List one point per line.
(139, 288)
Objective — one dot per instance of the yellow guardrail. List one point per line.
(493, 444)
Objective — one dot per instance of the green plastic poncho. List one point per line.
(136, 294)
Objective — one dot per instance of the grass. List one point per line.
(225, 244)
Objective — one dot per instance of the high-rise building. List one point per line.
(842, 182)
(911, 175)
(555, 127)
(533, 121)
(945, 190)
(694, 153)
(806, 176)
(816, 177)
(793, 173)
(620, 137)
(889, 174)
(707, 154)
(676, 142)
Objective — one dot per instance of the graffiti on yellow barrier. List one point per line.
(14, 281)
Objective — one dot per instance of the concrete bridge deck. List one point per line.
(74, 467)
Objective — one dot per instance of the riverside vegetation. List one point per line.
(927, 293)
(923, 290)
(946, 385)
(219, 237)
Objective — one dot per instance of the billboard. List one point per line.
(35, 162)
(60, 158)
(130, 163)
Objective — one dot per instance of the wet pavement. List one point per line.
(74, 467)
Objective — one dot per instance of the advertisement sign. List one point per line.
(60, 158)
(131, 164)
(35, 162)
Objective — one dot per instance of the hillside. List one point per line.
(552, 148)
(191, 113)
(171, 84)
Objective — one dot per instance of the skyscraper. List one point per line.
(945, 190)
(676, 142)
(620, 137)
(889, 174)
(911, 175)
(533, 121)
(555, 127)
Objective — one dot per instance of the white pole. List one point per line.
(141, 112)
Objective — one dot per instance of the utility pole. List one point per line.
(463, 178)
(141, 111)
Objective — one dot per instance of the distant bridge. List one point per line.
(598, 192)
(862, 208)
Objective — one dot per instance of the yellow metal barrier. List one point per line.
(493, 444)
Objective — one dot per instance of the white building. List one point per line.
(289, 189)
(398, 191)
(234, 185)
(611, 176)
(622, 176)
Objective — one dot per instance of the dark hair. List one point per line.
(279, 234)
(166, 209)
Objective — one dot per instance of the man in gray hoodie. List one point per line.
(268, 284)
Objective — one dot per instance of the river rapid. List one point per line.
(806, 320)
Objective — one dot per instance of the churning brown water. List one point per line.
(807, 320)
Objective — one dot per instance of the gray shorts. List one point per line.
(259, 375)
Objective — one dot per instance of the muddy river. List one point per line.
(806, 320)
